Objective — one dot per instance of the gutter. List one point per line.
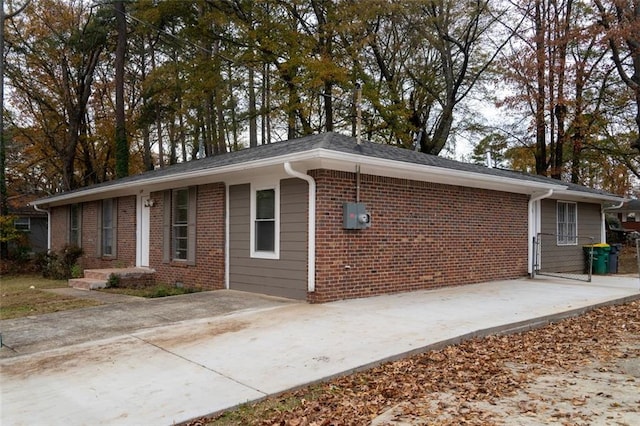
(38, 209)
(603, 219)
(311, 221)
(534, 215)
(615, 207)
(407, 170)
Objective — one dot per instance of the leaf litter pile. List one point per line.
(537, 375)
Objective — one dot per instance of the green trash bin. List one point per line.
(600, 265)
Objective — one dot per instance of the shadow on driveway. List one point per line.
(121, 315)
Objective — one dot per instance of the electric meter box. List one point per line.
(355, 216)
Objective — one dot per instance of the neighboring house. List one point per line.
(324, 218)
(32, 222)
(629, 215)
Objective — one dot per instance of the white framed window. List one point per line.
(22, 224)
(265, 221)
(567, 220)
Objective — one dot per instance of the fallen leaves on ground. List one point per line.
(450, 386)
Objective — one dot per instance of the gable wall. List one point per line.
(423, 235)
(208, 271)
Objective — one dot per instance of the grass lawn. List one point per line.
(159, 290)
(19, 299)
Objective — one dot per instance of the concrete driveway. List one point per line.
(121, 315)
(175, 372)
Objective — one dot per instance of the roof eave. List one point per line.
(153, 183)
(323, 158)
(571, 195)
(421, 172)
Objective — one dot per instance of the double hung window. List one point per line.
(179, 226)
(265, 222)
(108, 227)
(567, 221)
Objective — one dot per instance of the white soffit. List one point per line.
(308, 160)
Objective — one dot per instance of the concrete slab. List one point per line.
(120, 315)
(118, 381)
(172, 373)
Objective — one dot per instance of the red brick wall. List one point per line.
(423, 235)
(59, 227)
(208, 271)
(91, 259)
(127, 221)
(89, 236)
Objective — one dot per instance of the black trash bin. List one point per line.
(613, 258)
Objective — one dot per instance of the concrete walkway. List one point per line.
(176, 372)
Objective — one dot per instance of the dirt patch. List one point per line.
(185, 335)
(597, 393)
(628, 261)
(56, 363)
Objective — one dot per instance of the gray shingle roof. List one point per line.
(338, 143)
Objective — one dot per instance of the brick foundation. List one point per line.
(423, 235)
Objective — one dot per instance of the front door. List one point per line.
(144, 205)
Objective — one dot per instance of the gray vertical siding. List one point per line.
(567, 258)
(287, 276)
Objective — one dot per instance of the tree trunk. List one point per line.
(541, 143)
(253, 113)
(122, 145)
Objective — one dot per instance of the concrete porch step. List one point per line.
(104, 274)
(98, 278)
(87, 283)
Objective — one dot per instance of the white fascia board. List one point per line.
(587, 197)
(316, 158)
(151, 183)
(420, 172)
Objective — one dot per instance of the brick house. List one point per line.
(629, 215)
(323, 218)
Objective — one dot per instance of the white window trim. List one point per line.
(22, 224)
(252, 228)
(562, 243)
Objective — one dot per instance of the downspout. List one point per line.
(38, 209)
(603, 220)
(311, 256)
(227, 259)
(533, 227)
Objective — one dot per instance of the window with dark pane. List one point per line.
(265, 225)
(180, 223)
(107, 227)
(74, 225)
(22, 224)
